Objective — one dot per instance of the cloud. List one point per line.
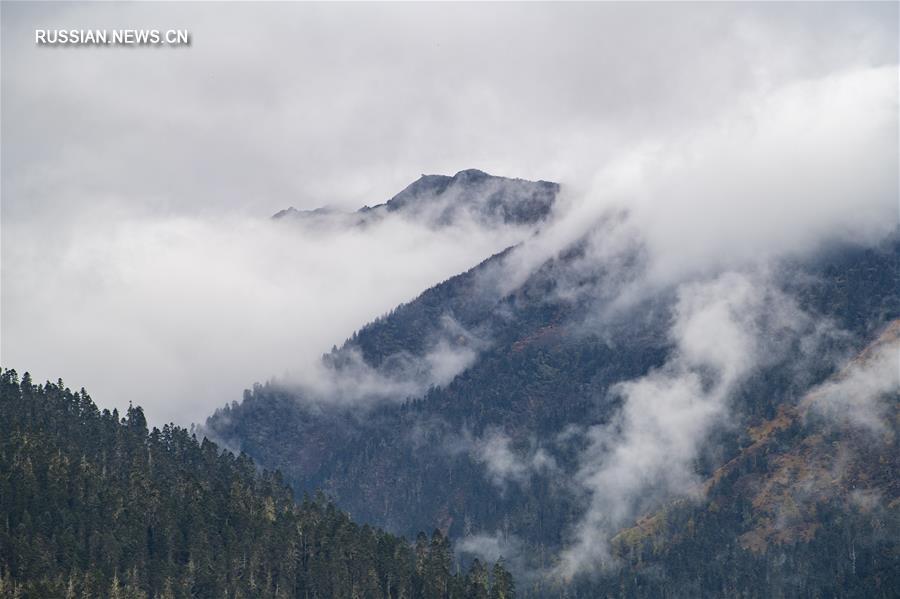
(493, 547)
(782, 172)
(310, 104)
(135, 182)
(505, 465)
(343, 378)
(720, 331)
(179, 314)
(812, 162)
(862, 393)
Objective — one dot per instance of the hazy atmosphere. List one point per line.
(137, 182)
(451, 300)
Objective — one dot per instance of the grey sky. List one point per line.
(288, 103)
(134, 180)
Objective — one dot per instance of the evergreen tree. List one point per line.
(502, 586)
(477, 581)
(94, 505)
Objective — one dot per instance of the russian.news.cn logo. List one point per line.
(112, 37)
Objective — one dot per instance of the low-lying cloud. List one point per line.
(345, 379)
(180, 314)
(501, 546)
(781, 172)
(505, 465)
(861, 394)
(721, 331)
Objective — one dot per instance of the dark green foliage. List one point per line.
(853, 554)
(714, 566)
(548, 366)
(94, 505)
(543, 371)
(477, 581)
(503, 587)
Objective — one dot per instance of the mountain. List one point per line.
(491, 453)
(440, 201)
(810, 506)
(94, 505)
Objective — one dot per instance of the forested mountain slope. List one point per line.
(94, 505)
(488, 453)
(809, 507)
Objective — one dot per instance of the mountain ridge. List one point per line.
(487, 453)
(441, 200)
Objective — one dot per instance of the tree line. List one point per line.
(95, 504)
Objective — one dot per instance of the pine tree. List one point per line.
(502, 585)
(477, 581)
(437, 567)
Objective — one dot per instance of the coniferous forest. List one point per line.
(96, 505)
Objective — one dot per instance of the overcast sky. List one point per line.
(135, 180)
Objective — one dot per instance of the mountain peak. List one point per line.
(471, 173)
(442, 200)
(489, 199)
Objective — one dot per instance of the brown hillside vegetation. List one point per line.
(800, 460)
